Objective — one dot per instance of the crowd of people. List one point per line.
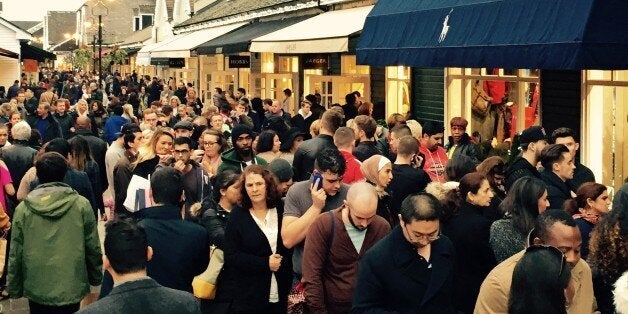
(324, 211)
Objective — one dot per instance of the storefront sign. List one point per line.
(238, 62)
(317, 62)
(30, 65)
(176, 62)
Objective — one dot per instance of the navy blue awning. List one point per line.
(534, 34)
(240, 39)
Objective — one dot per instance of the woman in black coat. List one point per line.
(253, 246)
(217, 212)
(469, 230)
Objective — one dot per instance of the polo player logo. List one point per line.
(445, 30)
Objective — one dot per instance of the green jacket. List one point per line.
(231, 160)
(55, 251)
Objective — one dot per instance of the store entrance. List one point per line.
(334, 88)
(272, 85)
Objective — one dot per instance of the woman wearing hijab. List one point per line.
(377, 170)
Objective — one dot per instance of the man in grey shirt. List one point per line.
(305, 201)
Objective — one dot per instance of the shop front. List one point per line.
(228, 64)
(182, 62)
(505, 71)
(317, 55)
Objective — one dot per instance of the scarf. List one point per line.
(370, 169)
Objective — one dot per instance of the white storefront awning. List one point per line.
(325, 33)
(144, 54)
(181, 45)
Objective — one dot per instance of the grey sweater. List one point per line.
(505, 240)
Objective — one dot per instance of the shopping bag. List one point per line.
(204, 285)
(137, 194)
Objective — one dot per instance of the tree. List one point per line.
(81, 58)
(115, 56)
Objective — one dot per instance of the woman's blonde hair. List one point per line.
(147, 152)
(175, 97)
(127, 109)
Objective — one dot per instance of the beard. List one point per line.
(354, 225)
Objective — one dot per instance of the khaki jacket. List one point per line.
(495, 289)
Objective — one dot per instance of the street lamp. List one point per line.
(94, 52)
(100, 9)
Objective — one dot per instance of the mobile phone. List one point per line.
(317, 176)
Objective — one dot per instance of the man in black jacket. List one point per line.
(46, 124)
(558, 167)
(365, 130)
(408, 175)
(65, 120)
(19, 156)
(582, 174)
(97, 146)
(460, 142)
(532, 141)
(126, 255)
(412, 269)
(305, 155)
(181, 248)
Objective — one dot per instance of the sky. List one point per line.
(34, 10)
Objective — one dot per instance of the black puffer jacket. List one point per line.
(520, 168)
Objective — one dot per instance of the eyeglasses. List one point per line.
(554, 251)
(429, 237)
(208, 143)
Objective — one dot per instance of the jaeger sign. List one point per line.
(317, 62)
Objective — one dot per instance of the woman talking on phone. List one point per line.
(253, 246)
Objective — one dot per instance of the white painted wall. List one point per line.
(8, 39)
(9, 71)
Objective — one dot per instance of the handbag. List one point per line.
(480, 101)
(204, 285)
(296, 298)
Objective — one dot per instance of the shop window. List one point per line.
(397, 90)
(268, 62)
(605, 129)
(288, 64)
(348, 66)
(497, 102)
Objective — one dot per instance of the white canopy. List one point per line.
(180, 45)
(325, 33)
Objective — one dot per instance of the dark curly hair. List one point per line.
(608, 249)
(273, 195)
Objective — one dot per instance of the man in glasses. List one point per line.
(195, 179)
(555, 228)
(412, 269)
(335, 243)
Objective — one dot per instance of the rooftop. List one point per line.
(224, 8)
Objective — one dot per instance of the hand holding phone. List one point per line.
(317, 180)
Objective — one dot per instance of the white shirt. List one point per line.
(270, 228)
